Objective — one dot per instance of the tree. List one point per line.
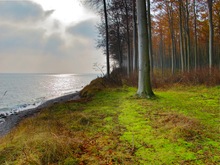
(128, 40)
(181, 36)
(135, 52)
(107, 45)
(187, 32)
(169, 8)
(97, 4)
(211, 34)
(144, 82)
(149, 35)
(195, 32)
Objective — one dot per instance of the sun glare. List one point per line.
(62, 75)
(66, 11)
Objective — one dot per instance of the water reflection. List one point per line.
(27, 88)
(63, 83)
(63, 75)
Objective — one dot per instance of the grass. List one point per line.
(179, 126)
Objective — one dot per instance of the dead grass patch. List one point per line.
(178, 126)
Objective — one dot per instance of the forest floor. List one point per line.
(181, 125)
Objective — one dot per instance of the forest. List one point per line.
(183, 35)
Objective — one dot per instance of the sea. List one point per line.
(19, 92)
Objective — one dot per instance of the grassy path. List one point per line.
(173, 129)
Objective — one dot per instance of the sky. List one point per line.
(47, 36)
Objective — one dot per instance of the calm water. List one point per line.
(23, 91)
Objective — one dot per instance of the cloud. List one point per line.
(49, 12)
(83, 29)
(22, 11)
(56, 24)
(19, 39)
(30, 49)
(15, 38)
(28, 44)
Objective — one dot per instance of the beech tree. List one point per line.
(135, 46)
(195, 33)
(211, 34)
(96, 4)
(128, 39)
(169, 9)
(150, 35)
(181, 36)
(144, 82)
(187, 32)
(106, 33)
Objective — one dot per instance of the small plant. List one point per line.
(99, 67)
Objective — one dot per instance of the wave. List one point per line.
(4, 112)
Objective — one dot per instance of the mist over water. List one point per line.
(20, 91)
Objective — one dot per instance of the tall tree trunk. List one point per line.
(211, 34)
(150, 36)
(170, 14)
(128, 40)
(135, 46)
(119, 46)
(161, 51)
(181, 36)
(195, 33)
(107, 39)
(144, 82)
(187, 36)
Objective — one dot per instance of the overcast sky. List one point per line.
(47, 36)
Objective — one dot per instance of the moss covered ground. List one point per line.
(181, 125)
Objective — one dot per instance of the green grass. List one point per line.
(179, 126)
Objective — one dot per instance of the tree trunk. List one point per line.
(150, 36)
(161, 51)
(119, 46)
(195, 34)
(181, 36)
(211, 34)
(170, 14)
(144, 82)
(187, 36)
(135, 46)
(128, 41)
(107, 39)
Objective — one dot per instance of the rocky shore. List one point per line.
(12, 120)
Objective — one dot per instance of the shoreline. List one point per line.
(14, 119)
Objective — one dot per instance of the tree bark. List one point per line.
(211, 34)
(187, 36)
(150, 36)
(107, 39)
(161, 49)
(144, 82)
(135, 46)
(181, 36)
(119, 46)
(128, 41)
(170, 14)
(195, 34)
